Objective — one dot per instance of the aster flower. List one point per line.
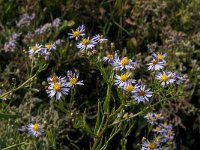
(56, 22)
(35, 129)
(169, 134)
(146, 145)
(58, 89)
(108, 58)
(60, 42)
(156, 65)
(153, 118)
(86, 43)
(35, 49)
(124, 63)
(158, 129)
(73, 79)
(78, 32)
(123, 79)
(159, 56)
(50, 46)
(129, 87)
(178, 78)
(99, 38)
(141, 94)
(25, 20)
(165, 77)
(54, 79)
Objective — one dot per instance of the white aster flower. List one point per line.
(86, 43)
(141, 94)
(58, 89)
(165, 77)
(35, 129)
(35, 49)
(124, 63)
(156, 65)
(99, 38)
(78, 32)
(73, 79)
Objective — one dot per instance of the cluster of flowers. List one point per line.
(42, 51)
(59, 86)
(43, 29)
(12, 43)
(86, 42)
(123, 80)
(165, 77)
(163, 133)
(25, 20)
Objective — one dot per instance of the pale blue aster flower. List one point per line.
(58, 89)
(73, 79)
(159, 56)
(108, 58)
(35, 129)
(56, 22)
(99, 38)
(124, 63)
(141, 93)
(80, 31)
(146, 145)
(86, 43)
(165, 77)
(122, 80)
(156, 65)
(50, 46)
(35, 49)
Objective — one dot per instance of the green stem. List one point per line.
(23, 84)
(101, 134)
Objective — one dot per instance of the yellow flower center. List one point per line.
(34, 48)
(76, 33)
(158, 116)
(54, 79)
(101, 36)
(151, 145)
(157, 139)
(109, 56)
(85, 41)
(73, 81)
(160, 56)
(129, 87)
(57, 87)
(164, 77)
(141, 92)
(165, 124)
(49, 46)
(169, 132)
(36, 127)
(154, 61)
(124, 61)
(124, 77)
(157, 129)
(148, 116)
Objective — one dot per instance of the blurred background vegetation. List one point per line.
(137, 27)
